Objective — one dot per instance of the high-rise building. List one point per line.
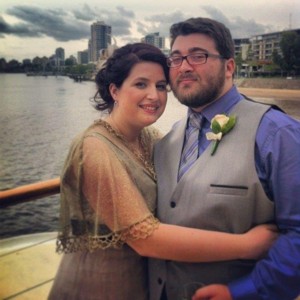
(82, 57)
(100, 39)
(90, 50)
(155, 40)
(60, 57)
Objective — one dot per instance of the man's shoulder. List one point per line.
(279, 119)
(176, 132)
(174, 129)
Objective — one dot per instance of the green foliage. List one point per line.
(81, 69)
(290, 47)
(215, 127)
(69, 62)
(239, 60)
(229, 125)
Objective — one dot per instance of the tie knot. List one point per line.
(195, 120)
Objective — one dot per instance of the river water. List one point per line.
(39, 116)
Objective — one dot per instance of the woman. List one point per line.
(108, 192)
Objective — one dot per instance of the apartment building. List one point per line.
(260, 47)
(241, 48)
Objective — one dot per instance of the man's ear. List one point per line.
(230, 67)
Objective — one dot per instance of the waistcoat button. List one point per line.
(173, 204)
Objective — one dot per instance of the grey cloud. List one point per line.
(54, 23)
(120, 27)
(125, 12)
(216, 14)
(142, 28)
(161, 23)
(239, 27)
(20, 29)
(129, 39)
(63, 26)
(119, 19)
(247, 28)
(85, 14)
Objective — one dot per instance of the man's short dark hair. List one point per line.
(214, 29)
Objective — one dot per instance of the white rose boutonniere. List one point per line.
(220, 125)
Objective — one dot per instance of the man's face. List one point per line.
(197, 85)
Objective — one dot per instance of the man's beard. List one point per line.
(203, 94)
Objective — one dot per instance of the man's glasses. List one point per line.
(175, 61)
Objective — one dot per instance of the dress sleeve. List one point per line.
(109, 188)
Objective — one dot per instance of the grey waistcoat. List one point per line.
(220, 192)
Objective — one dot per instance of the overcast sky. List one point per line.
(40, 26)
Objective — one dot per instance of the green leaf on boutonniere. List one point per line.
(214, 147)
(215, 127)
(229, 125)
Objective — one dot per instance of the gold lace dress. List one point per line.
(108, 196)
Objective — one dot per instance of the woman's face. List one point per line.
(142, 98)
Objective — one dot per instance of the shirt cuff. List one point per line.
(243, 289)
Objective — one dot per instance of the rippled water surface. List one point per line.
(39, 116)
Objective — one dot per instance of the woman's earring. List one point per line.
(116, 103)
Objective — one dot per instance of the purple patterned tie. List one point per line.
(190, 149)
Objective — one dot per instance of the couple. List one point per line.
(111, 219)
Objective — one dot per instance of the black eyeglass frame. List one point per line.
(186, 57)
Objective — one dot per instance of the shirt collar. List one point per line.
(223, 105)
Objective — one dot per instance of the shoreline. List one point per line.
(287, 100)
(274, 94)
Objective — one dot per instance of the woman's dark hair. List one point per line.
(118, 66)
(214, 29)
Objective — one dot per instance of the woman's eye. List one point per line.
(161, 87)
(140, 85)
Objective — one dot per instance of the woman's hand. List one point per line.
(213, 292)
(258, 240)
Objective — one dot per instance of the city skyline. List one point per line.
(27, 31)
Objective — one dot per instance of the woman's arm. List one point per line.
(194, 245)
(119, 204)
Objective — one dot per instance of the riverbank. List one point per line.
(282, 92)
(268, 83)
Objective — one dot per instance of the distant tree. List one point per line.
(37, 64)
(289, 61)
(14, 66)
(238, 62)
(45, 64)
(277, 59)
(3, 65)
(69, 62)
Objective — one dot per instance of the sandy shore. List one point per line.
(287, 100)
(275, 94)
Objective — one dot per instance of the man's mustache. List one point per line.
(186, 76)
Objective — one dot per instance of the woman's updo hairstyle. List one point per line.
(118, 66)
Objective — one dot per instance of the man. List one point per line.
(253, 176)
